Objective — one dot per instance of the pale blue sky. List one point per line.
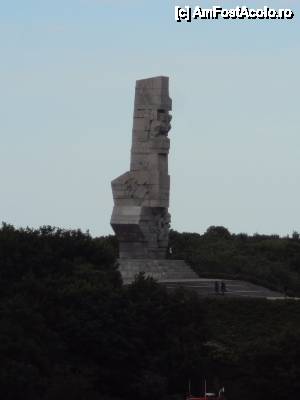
(67, 76)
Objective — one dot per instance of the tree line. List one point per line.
(69, 329)
(267, 260)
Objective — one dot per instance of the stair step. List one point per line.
(158, 269)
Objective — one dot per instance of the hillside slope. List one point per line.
(269, 261)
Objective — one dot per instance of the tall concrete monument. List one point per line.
(140, 215)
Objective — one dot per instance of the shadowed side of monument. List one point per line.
(140, 216)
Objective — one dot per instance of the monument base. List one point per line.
(161, 270)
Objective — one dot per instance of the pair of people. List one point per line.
(220, 287)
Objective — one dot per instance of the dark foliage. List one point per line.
(70, 330)
(270, 261)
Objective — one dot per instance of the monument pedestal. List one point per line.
(161, 270)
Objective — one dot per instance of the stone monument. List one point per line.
(140, 215)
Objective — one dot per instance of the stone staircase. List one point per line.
(176, 273)
(161, 270)
(234, 288)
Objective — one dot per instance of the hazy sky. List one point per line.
(67, 76)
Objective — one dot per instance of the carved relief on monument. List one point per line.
(131, 186)
(147, 184)
(161, 124)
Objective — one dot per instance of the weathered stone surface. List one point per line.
(140, 216)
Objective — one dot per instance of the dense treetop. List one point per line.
(270, 261)
(70, 330)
